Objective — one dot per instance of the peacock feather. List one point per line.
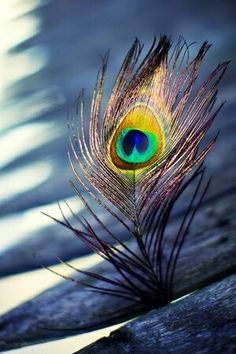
(138, 158)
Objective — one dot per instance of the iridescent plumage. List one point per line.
(137, 156)
(154, 98)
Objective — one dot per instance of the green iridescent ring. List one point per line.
(136, 146)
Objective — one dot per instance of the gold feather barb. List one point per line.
(135, 159)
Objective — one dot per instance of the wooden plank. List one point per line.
(204, 322)
(207, 256)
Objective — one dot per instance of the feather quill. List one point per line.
(135, 160)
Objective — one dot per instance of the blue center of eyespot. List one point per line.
(136, 146)
(135, 139)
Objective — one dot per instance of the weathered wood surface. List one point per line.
(209, 254)
(204, 322)
(71, 38)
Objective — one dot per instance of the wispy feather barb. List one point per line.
(137, 156)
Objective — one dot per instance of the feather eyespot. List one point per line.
(139, 139)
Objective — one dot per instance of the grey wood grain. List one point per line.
(204, 322)
(207, 256)
(73, 37)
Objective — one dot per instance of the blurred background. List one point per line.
(49, 51)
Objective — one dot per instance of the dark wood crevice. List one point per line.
(203, 322)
